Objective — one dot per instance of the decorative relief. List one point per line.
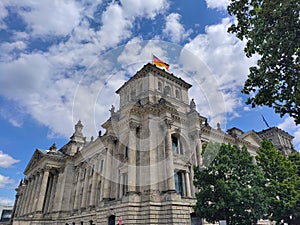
(194, 135)
(169, 123)
(133, 125)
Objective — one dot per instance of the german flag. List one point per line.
(156, 61)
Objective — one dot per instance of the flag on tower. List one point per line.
(156, 61)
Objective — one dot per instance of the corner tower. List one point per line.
(150, 84)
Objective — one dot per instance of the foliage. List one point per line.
(272, 30)
(283, 187)
(230, 186)
(295, 158)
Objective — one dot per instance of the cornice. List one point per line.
(156, 72)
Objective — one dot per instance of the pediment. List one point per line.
(251, 137)
(37, 156)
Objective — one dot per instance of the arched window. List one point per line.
(167, 90)
(177, 94)
(112, 220)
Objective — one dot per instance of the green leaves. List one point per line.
(231, 187)
(283, 187)
(272, 30)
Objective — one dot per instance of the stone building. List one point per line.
(139, 171)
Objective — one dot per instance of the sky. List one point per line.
(63, 60)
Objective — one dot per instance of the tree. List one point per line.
(272, 30)
(283, 187)
(231, 186)
(295, 158)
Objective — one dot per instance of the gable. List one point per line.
(37, 156)
(252, 138)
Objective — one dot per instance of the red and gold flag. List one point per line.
(156, 61)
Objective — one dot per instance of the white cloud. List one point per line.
(5, 181)
(69, 81)
(289, 125)
(116, 26)
(9, 46)
(47, 84)
(217, 4)
(6, 160)
(6, 201)
(3, 14)
(174, 29)
(246, 108)
(141, 8)
(224, 69)
(50, 17)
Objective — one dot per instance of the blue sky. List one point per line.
(61, 61)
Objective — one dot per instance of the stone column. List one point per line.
(48, 194)
(42, 194)
(198, 151)
(38, 189)
(28, 197)
(32, 198)
(78, 185)
(153, 153)
(53, 189)
(108, 166)
(85, 189)
(24, 197)
(187, 184)
(59, 191)
(94, 185)
(192, 183)
(132, 158)
(169, 158)
(32, 190)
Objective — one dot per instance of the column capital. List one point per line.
(169, 123)
(194, 134)
(46, 169)
(112, 139)
(133, 125)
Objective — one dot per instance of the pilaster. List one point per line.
(169, 157)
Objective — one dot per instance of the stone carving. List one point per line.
(192, 105)
(112, 109)
(78, 129)
(53, 148)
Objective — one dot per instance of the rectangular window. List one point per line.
(92, 168)
(126, 152)
(83, 173)
(101, 165)
(179, 182)
(125, 183)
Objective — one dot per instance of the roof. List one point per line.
(277, 130)
(152, 68)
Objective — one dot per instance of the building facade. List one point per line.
(140, 171)
(5, 214)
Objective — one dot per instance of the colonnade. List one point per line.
(38, 192)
